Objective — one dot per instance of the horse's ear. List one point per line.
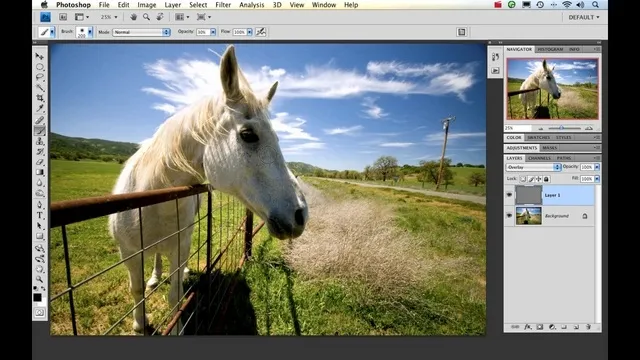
(229, 76)
(272, 91)
(544, 64)
(553, 67)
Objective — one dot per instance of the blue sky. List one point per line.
(532, 210)
(566, 71)
(337, 106)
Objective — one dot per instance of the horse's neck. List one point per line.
(534, 80)
(176, 154)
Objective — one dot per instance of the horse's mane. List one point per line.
(177, 144)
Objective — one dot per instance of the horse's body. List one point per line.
(542, 78)
(226, 140)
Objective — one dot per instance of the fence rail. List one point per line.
(203, 305)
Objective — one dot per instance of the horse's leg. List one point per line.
(136, 286)
(157, 272)
(526, 115)
(178, 268)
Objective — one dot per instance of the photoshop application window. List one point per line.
(414, 175)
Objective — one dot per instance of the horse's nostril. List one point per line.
(299, 216)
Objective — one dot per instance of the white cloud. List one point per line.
(439, 136)
(290, 128)
(343, 130)
(427, 157)
(302, 148)
(409, 70)
(397, 144)
(387, 134)
(569, 66)
(420, 128)
(185, 81)
(371, 109)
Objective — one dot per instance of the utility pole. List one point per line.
(445, 126)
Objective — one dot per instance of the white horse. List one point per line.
(542, 78)
(227, 140)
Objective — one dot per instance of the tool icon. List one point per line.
(40, 97)
(39, 182)
(39, 204)
(160, 16)
(40, 269)
(39, 279)
(39, 258)
(39, 119)
(261, 31)
(39, 76)
(39, 130)
(40, 151)
(39, 226)
(39, 248)
(39, 193)
(39, 57)
(40, 108)
(39, 87)
(39, 162)
(133, 17)
(146, 16)
(495, 56)
(39, 142)
(40, 66)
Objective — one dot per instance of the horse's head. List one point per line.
(244, 158)
(548, 81)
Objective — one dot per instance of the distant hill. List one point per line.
(300, 168)
(76, 148)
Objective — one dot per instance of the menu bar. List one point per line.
(320, 5)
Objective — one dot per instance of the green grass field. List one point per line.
(460, 183)
(426, 276)
(576, 102)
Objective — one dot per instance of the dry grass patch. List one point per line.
(356, 240)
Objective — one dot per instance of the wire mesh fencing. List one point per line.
(89, 283)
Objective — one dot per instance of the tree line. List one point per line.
(386, 168)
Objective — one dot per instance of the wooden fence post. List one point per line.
(248, 235)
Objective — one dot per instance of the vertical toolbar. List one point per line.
(40, 185)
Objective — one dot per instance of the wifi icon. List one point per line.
(567, 4)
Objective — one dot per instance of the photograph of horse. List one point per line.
(560, 89)
(269, 244)
(220, 140)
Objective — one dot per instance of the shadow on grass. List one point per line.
(222, 308)
(279, 265)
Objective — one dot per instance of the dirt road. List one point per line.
(472, 198)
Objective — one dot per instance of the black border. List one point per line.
(495, 344)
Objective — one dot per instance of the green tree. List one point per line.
(385, 165)
(477, 178)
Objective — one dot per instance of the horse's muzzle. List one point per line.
(556, 96)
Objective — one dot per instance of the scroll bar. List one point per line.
(598, 253)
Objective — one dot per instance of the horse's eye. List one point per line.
(548, 77)
(248, 136)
